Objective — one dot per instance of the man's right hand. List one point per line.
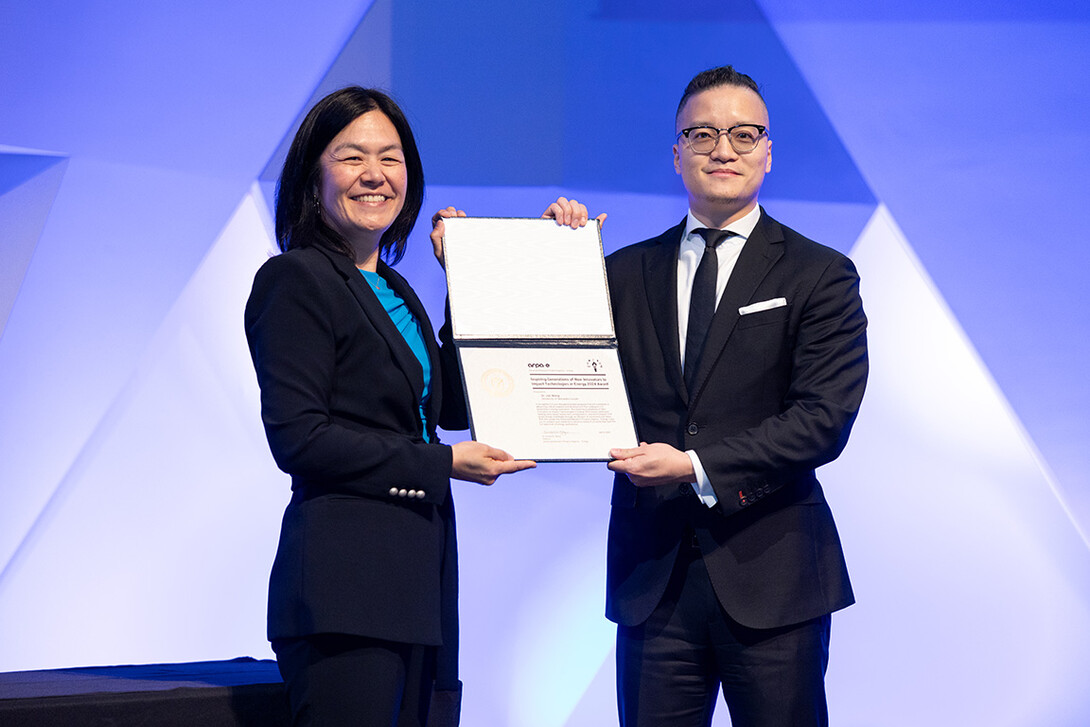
(649, 465)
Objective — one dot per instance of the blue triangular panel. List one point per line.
(28, 186)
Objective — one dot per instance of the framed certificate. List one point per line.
(533, 328)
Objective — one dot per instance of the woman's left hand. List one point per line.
(570, 212)
(437, 229)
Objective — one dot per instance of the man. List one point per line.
(746, 361)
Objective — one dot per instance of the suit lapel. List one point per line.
(660, 282)
(406, 293)
(759, 254)
(380, 319)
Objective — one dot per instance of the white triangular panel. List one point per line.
(174, 499)
(960, 552)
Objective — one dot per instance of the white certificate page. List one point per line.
(525, 278)
(548, 404)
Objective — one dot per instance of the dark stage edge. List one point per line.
(240, 692)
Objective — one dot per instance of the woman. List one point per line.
(363, 591)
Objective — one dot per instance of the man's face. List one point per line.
(722, 185)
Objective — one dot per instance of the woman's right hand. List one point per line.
(480, 463)
(438, 228)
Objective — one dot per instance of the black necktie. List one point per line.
(702, 302)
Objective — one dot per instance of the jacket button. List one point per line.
(693, 428)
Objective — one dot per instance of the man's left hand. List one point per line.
(570, 212)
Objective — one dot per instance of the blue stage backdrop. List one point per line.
(943, 145)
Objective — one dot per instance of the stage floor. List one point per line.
(231, 693)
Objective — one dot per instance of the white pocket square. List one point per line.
(763, 305)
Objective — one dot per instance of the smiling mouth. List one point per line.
(370, 198)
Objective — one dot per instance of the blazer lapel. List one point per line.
(380, 319)
(407, 294)
(759, 254)
(660, 282)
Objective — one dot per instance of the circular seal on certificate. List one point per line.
(497, 382)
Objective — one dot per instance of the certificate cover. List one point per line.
(533, 327)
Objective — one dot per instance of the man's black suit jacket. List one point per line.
(775, 397)
(340, 394)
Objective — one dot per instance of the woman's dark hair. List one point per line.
(298, 219)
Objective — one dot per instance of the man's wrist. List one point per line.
(702, 486)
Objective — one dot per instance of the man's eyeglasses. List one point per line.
(703, 139)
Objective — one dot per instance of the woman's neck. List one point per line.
(365, 254)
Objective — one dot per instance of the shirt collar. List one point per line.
(742, 227)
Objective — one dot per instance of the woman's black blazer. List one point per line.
(367, 543)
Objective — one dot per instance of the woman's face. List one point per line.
(363, 180)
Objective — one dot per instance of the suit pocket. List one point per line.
(764, 317)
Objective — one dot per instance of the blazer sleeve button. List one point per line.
(693, 428)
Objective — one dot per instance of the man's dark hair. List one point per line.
(713, 78)
(298, 219)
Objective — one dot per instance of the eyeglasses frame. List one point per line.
(730, 140)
